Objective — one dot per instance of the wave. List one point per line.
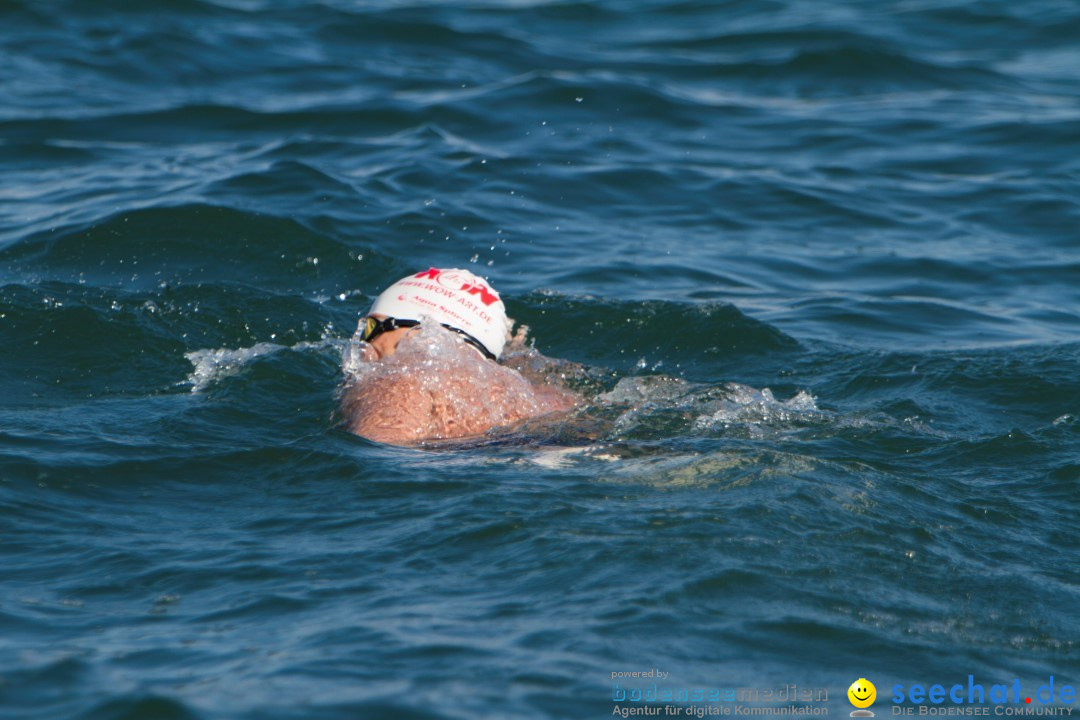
(210, 366)
(163, 247)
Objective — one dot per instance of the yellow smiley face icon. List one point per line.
(862, 693)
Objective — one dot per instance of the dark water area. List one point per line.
(821, 262)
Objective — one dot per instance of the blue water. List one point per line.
(820, 262)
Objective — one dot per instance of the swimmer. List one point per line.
(424, 365)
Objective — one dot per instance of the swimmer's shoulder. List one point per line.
(395, 410)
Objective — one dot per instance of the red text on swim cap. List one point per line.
(487, 296)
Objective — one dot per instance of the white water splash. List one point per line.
(747, 405)
(646, 388)
(705, 408)
(211, 365)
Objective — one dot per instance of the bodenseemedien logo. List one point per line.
(862, 694)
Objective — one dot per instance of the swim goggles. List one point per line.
(374, 327)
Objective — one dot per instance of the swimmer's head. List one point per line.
(455, 298)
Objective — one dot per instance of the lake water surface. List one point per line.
(819, 260)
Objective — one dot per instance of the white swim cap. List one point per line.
(453, 297)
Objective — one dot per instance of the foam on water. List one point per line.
(704, 409)
(745, 404)
(863, 213)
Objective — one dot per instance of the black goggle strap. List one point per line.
(472, 341)
(373, 328)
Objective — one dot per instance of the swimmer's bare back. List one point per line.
(402, 409)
